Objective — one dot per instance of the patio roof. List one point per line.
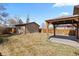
(64, 20)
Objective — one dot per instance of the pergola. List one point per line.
(74, 20)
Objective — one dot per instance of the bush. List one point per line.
(1, 29)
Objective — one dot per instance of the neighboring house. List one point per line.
(66, 27)
(9, 30)
(27, 28)
(76, 10)
(4, 29)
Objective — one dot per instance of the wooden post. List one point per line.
(47, 31)
(77, 31)
(54, 29)
(25, 29)
(17, 30)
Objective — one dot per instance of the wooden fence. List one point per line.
(59, 31)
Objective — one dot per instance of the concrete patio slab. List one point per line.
(69, 40)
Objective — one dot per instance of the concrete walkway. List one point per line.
(68, 40)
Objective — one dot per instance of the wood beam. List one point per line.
(76, 19)
(77, 26)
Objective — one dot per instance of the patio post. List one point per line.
(25, 29)
(54, 27)
(77, 31)
(47, 30)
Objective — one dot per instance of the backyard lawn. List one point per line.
(35, 44)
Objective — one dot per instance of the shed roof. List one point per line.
(26, 24)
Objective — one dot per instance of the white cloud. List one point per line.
(60, 3)
(62, 14)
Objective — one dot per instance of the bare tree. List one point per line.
(28, 19)
(12, 22)
(3, 14)
(20, 21)
(3, 17)
(43, 25)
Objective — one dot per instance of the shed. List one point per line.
(27, 28)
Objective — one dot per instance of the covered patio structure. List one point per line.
(73, 20)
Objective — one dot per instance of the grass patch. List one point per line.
(35, 44)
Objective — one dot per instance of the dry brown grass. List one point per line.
(34, 44)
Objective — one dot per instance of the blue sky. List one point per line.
(38, 12)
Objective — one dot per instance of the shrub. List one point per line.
(1, 29)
